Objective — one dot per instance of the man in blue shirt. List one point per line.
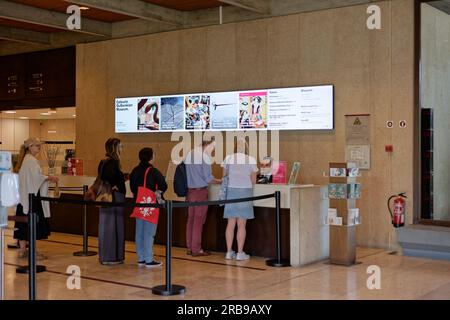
(199, 176)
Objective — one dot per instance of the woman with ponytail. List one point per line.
(31, 180)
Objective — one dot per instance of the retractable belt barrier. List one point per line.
(168, 288)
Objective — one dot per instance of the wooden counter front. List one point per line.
(260, 241)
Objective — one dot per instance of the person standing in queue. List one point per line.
(32, 180)
(241, 170)
(145, 230)
(111, 228)
(199, 176)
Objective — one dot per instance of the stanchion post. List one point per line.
(85, 252)
(32, 250)
(169, 289)
(278, 262)
(2, 259)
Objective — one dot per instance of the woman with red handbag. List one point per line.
(145, 182)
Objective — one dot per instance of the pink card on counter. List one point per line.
(279, 172)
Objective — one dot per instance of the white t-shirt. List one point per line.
(240, 168)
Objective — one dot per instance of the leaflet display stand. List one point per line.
(343, 216)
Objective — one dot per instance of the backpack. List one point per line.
(180, 180)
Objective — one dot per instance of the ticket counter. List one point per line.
(304, 235)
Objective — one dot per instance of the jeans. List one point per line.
(145, 233)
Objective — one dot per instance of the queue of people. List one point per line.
(239, 173)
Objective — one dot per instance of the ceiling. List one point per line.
(61, 6)
(187, 5)
(43, 22)
(56, 113)
(443, 5)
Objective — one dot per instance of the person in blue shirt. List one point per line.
(199, 176)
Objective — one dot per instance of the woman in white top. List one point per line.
(240, 170)
(31, 180)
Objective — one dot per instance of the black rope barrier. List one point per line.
(67, 188)
(168, 288)
(101, 203)
(85, 252)
(181, 204)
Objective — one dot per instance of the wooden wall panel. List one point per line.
(373, 72)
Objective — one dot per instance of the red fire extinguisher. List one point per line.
(398, 217)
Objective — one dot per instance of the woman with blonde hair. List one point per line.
(31, 180)
(240, 171)
(111, 227)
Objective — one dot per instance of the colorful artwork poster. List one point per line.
(148, 114)
(253, 110)
(172, 116)
(197, 112)
(224, 110)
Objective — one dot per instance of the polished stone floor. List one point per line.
(213, 277)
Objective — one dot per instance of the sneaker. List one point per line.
(153, 264)
(230, 255)
(201, 253)
(141, 263)
(242, 256)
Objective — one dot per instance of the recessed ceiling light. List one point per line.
(84, 8)
(45, 114)
(51, 131)
(9, 111)
(74, 115)
(51, 112)
(23, 118)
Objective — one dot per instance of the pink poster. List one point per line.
(75, 167)
(279, 172)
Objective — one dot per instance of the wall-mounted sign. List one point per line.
(359, 154)
(357, 129)
(13, 83)
(36, 82)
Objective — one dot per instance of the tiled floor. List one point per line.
(215, 278)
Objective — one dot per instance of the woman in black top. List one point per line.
(111, 228)
(145, 231)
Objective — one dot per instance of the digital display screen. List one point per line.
(297, 108)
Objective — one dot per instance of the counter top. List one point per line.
(258, 190)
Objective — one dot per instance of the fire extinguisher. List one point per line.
(398, 217)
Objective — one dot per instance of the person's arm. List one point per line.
(253, 177)
(159, 178)
(133, 183)
(254, 173)
(207, 174)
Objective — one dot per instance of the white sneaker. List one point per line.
(242, 256)
(230, 255)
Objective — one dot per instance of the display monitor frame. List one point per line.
(198, 111)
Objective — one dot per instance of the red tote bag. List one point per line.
(146, 195)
